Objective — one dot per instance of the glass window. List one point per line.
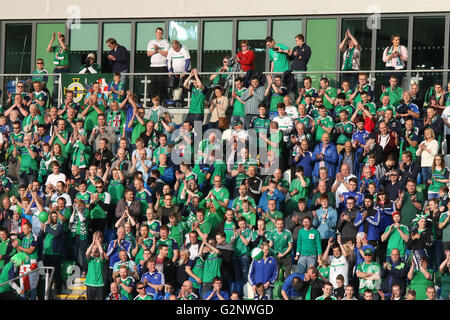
(215, 47)
(18, 48)
(321, 37)
(428, 48)
(82, 42)
(119, 31)
(388, 26)
(255, 32)
(187, 33)
(359, 30)
(284, 31)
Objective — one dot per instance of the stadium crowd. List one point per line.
(294, 192)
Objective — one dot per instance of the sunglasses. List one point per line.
(139, 288)
(19, 86)
(40, 63)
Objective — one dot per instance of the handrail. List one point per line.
(240, 72)
(48, 280)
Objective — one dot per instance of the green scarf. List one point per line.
(391, 49)
(348, 65)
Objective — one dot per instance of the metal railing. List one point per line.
(411, 75)
(48, 279)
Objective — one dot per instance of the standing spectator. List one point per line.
(308, 246)
(178, 58)
(300, 56)
(351, 58)
(368, 273)
(157, 50)
(96, 257)
(118, 57)
(39, 73)
(393, 272)
(421, 277)
(252, 97)
(241, 242)
(339, 262)
(60, 59)
(52, 237)
(395, 57)
(278, 54)
(197, 103)
(246, 57)
(397, 235)
(263, 271)
(280, 242)
(427, 151)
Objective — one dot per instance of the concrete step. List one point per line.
(71, 297)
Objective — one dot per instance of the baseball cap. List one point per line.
(237, 122)
(368, 251)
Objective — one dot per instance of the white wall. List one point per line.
(61, 9)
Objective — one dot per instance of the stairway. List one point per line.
(77, 292)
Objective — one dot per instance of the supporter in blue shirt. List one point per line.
(216, 293)
(153, 279)
(293, 286)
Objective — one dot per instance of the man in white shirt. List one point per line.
(53, 178)
(157, 50)
(178, 58)
(339, 263)
(342, 179)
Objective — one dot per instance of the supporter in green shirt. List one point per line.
(271, 215)
(394, 93)
(61, 51)
(323, 123)
(197, 103)
(410, 203)
(278, 55)
(138, 123)
(238, 104)
(96, 258)
(397, 236)
(280, 242)
(327, 93)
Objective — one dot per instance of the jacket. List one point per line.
(356, 163)
(57, 243)
(263, 271)
(370, 225)
(347, 228)
(175, 209)
(326, 226)
(264, 202)
(134, 208)
(397, 275)
(316, 288)
(330, 157)
(168, 175)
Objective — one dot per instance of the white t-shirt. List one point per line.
(176, 60)
(446, 115)
(384, 140)
(53, 179)
(158, 60)
(338, 266)
(342, 188)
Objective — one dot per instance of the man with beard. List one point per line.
(368, 219)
